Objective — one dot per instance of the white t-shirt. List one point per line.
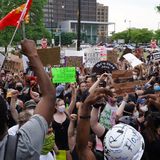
(13, 130)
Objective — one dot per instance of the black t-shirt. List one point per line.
(152, 150)
(61, 134)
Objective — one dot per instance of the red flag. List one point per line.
(12, 18)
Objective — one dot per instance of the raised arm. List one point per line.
(95, 85)
(83, 127)
(45, 107)
(119, 112)
(71, 132)
(73, 101)
(97, 128)
(13, 110)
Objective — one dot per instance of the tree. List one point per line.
(157, 35)
(121, 35)
(35, 29)
(66, 38)
(141, 35)
(135, 35)
(158, 8)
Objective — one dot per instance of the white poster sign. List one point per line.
(92, 56)
(25, 62)
(132, 59)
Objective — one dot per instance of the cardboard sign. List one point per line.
(64, 75)
(49, 56)
(112, 56)
(128, 87)
(73, 61)
(121, 73)
(130, 84)
(13, 64)
(132, 60)
(103, 66)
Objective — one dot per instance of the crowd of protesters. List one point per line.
(85, 120)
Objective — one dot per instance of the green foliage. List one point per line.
(35, 29)
(135, 35)
(66, 38)
(158, 8)
(157, 34)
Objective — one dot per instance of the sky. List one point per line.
(132, 13)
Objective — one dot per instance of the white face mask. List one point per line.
(136, 114)
(144, 108)
(61, 108)
(134, 77)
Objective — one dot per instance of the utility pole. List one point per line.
(79, 26)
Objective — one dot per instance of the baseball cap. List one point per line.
(141, 100)
(59, 90)
(30, 104)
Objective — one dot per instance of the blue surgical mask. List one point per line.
(156, 88)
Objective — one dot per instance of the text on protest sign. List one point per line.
(156, 56)
(64, 75)
(103, 66)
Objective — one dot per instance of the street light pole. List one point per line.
(79, 26)
(129, 30)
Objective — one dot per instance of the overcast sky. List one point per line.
(141, 13)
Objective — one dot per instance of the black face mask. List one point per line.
(19, 88)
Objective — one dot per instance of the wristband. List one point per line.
(84, 117)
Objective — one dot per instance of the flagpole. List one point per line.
(18, 24)
(23, 30)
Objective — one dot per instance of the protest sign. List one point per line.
(103, 66)
(132, 60)
(112, 56)
(13, 64)
(92, 56)
(156, 56)
(63, 75)
(25, 62)
(122, 75)
(74, 58)
(130, 84)
(73, 61)
(2, 57)
(49, 56)
(103, 53)
(128, 87)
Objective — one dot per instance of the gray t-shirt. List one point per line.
(30, 141)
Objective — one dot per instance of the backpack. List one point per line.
(11, 147)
